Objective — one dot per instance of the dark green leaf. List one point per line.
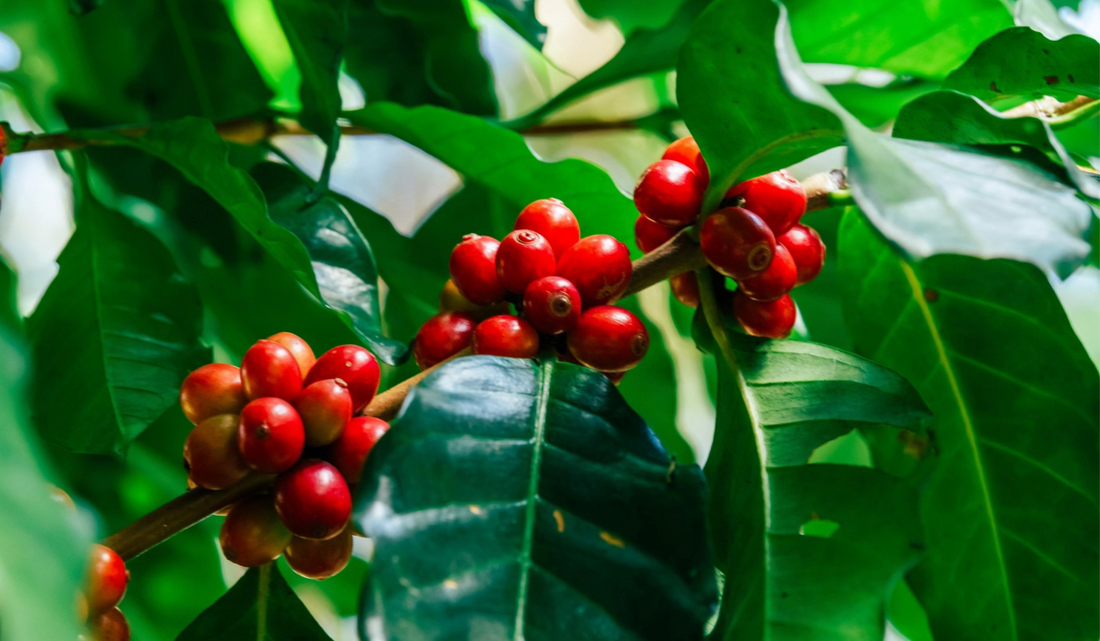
(342, 261)
(1010, 516)
(904, 37)
(520, 16)
(809, 551)
(115, 335)
(260, 606)
(80, 7)
(549, 513)
(387, 56)
(630, 15)
(42, 569)
(1022, 62)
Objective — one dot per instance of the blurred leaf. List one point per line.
(521, 17)
(1043, 17)
(1021, 62)
(646, 51)
(80, 7)
(116, 333)
(342, 261)
(909, 37)
(548, 513)
(877, 106)
(260, 606)
(632, 16)
(785, 577)
(386, 55)
(1014, 498)
(43, 566)
(955, 118)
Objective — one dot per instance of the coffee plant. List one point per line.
(470, 319)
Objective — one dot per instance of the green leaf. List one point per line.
(80, 7)
(632, 16)
(115, 334)
(904, 37)
(521, 17)
(547, 513)
(955, 118)
(1010, 515)
(646, 51)
(1020, 62)
(809, 551)
(878, 106)
(260, 606)
(342, 261)
(43, 569)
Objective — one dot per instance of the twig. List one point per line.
(1048, 108)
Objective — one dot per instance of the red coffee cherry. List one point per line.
(773, 282)
(349, 453)
(269, 370)
(685, 287)
(686, 151)
(506, 335)
(270, 435)
(599, 267)
(552, 305)
(442, 336)
(320, 560)
(609, 339)
(553, 220)
(109, 626)
(770, 319)
(737, 243)
(107, 579)
(211, 456)
(352, 364)
(524, 256)
(669, 193)
(252, 533)
(649, 235)
(777, 198)
(325, 408)
(298, 348)
(313, 499)
(474, 269)
(806, 249)
(452, 300)
(210, 390)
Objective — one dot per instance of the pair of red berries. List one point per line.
(560, 282)
(283, 412)
(755, 238)
(103, 591)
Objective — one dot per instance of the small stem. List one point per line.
(1048, 108)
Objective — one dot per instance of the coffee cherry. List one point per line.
(685, 287)
(686, 151)
(253, 534)
(609, 339)
(474, 269)
(770, 319)
(107, 579)
(552, 304)
(442, 336)
(506, 335)
(669, 193)
(524, 256)
(737, 243)
(313, 500)
(210, 390)
(352, 364)
(110, 626)
(211, 456)
(270, 435)
(773, 282)
(599, 267)
(649, 235)
(452, 300)
(806, 249)
(269, 370)
(300, 349)
(349, 453)
(325, 408)
(777, 198)
(553, 220)
(320, 560)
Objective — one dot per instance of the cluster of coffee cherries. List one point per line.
(284, 412)
(561, 285)
(103, 591)
(755, 238)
